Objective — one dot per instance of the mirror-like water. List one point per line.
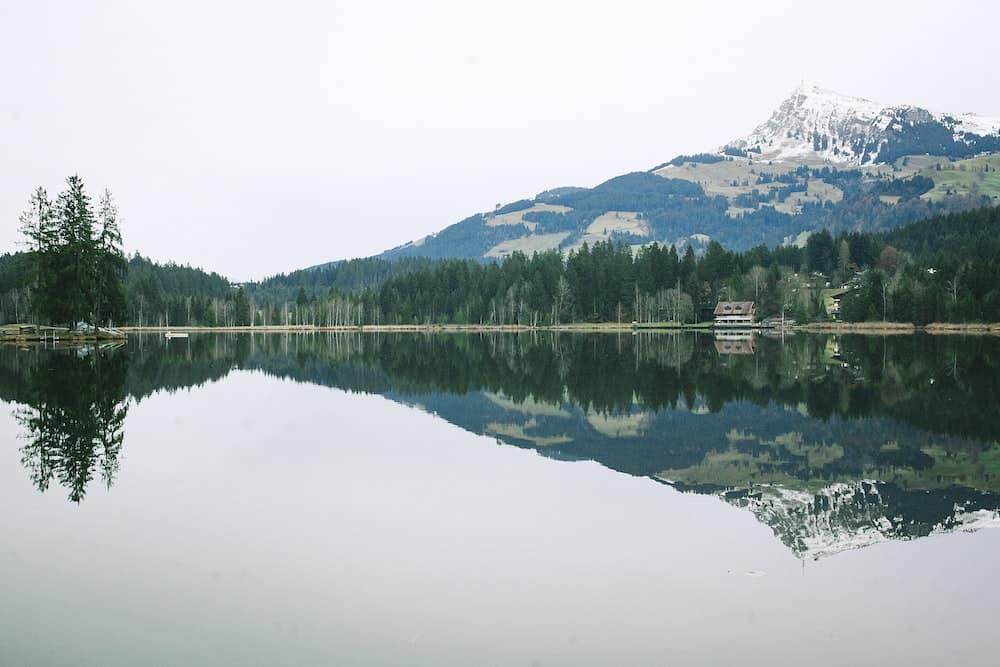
(553, 499)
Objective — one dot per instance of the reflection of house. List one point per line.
(735, 314)
(734, 342)
(734, 346)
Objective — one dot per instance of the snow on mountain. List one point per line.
(975, 124)
(815, 124)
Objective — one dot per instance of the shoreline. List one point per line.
(33, 333)
(861, 328)
(870, 328)
(896, 328)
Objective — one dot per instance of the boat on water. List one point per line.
(175, 334)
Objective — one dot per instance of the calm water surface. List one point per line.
(500, 500)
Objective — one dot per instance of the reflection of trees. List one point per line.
(916, 393)
(942, 384)
(73, 418)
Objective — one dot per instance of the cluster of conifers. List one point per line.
(77, 263)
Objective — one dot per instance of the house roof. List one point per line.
(735, 308)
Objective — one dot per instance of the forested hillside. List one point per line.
(972, 235)
(738, 203)
(821, 161)
(346, 276)
(897, 275)
(154, 293)
(945, 268)
(158, 294)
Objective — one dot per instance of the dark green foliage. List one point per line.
(638, 191)
(906, 188)
(675, 209)
(606, 282)
(111, 267)
(78, 264)
(821, 255)
(242, 310)
(513, 207)
(969, 235)
(933, 138)
(603, 282)
(550, 196)
(68, 283)
(73, 414)
(954, 274)
(940, 269)
(754, 197)
(16, 270)
(698, 158)
(466, 239)
(913, 391)
(162, 294)
(347, 276)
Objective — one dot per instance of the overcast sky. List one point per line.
(253, 138)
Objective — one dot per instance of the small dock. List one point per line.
(25, 333)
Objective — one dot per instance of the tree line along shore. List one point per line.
(27, 333)
(595, 327)
(940, 273)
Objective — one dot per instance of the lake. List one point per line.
(501, 499)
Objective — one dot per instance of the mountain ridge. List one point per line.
(814, 122)
(821, 160)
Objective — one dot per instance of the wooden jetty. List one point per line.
(22, 333)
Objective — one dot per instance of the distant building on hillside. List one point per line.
(735, 314)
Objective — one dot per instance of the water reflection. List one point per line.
(72, 412)
(834, 442)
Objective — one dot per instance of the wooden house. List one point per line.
(735, 314)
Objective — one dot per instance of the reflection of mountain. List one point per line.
(844, 516)
(791, 432)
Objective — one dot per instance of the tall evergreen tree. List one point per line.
(110, 265)
(79, 265)
(38, 226)
(75, 289)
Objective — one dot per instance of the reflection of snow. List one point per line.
(619, 425)
(846, 516)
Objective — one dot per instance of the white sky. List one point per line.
(253, 138)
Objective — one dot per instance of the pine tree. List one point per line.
(37, 224)
(110, 265)
(79, 270)
(74, 290)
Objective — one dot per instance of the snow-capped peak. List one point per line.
(816, 124)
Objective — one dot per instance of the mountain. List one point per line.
(822, 160)
(814, 123)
